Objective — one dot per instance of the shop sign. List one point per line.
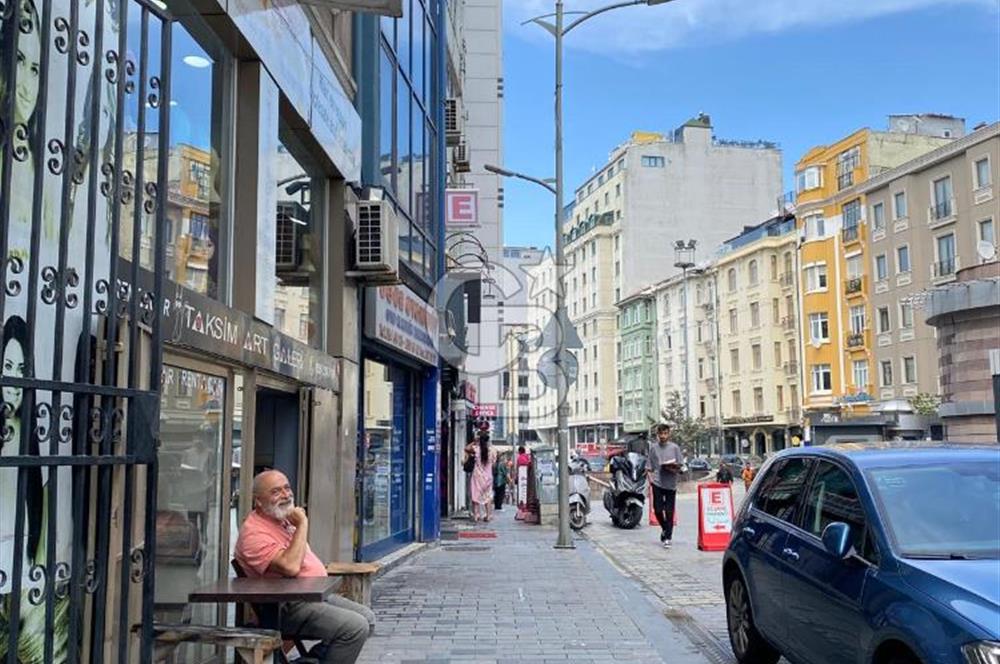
(335, 123)
(461, 208)
(752, 419)
(485, 410)
(715, 516)
(860, 397)
(397, 317)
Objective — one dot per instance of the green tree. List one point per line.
(691, 433)
(925, 403)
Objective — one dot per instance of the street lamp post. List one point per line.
(556, 29)
(684, 259)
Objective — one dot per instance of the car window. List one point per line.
(833, 497)
(781, 489)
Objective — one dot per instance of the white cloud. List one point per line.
(637, 30)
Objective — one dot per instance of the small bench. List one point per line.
(357, 580)
(252, 646)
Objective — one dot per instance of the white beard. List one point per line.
(280, 512)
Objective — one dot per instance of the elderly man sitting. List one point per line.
(273, 542)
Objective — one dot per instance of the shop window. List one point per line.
(189, 505)
(198, 174)
(298, 250)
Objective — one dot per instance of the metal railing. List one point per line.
(787, 279)
(788, 322)
(851, 233)
(944, 268)
(791, 368)
(845, 180)
(854, 285)
(942, 210)
(855, 339)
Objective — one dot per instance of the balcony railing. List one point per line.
(851, 233)
(788, 322)
(944, 268)
(854, 285)
(791, 369)
(845, 180)
(787, 279)
(941, 210)
(794, 414)
(855, 339)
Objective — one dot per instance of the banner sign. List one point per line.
(715, 516)
(397, 317)
(461, 208)
(485, 410)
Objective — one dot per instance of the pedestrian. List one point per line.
(499, 483)
(273, 542)
(747, 475)
(665, 462)
(482, 476)
(724, 476)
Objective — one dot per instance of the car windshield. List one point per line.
(942, 511)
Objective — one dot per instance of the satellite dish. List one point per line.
(987, 251)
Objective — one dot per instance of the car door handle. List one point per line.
(749, 532)
(790, 554)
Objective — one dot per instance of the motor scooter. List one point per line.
(579, 493)
(625, 498)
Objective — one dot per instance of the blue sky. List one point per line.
(798, 72)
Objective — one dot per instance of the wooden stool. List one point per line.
(253, 646)
(357, 582)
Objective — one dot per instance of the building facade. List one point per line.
(834, 270)
(948, 222)
(638, 376)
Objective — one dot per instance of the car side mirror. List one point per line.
(837, 540)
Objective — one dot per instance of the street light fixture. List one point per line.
(558, 31)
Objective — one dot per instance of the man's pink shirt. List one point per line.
(262, 539)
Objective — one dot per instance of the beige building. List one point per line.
(759, 351)
(930, 218)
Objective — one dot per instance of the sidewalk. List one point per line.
(500, 592)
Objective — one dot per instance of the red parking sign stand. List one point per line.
(715, 516)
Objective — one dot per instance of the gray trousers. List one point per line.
(341, 625)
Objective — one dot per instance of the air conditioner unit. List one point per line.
(292, 224)
(452, 131)
(376, 241)
(460, 159)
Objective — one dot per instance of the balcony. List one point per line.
(854, 286)
(788, 323)
(787, 280)
(941, 213)
(851, 234)
(794, 414)
(791, 369)
(944, 269)
(856, 340)
(845, 180)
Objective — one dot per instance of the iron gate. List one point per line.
(84, 131)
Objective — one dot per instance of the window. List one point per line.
(737, 403)
(731, 278)
(903, 259)
(852, 214)
(808, 178)
(909, 370)
(652, 161)
(607, 200)
(734, 360)
(942, 203)
(905, 315)
(855, 267)
(755, 314)
(986, 232)
(860, 368)
(833, 498)
(819, 327)
(945, 247)
(815, 227)
(816, 278)
(885, 371)
(618, 191)
(881, 267)
(780, 397)
(878, 217)
(777, 353)
(983, 175)
(701, 368)
(774, 268)
(780, 491)
(899, 205)
(757, 356)
(753, 273)
(822, 379)
(758, 400)
(702, 410)
(857, 314)
(884, 323)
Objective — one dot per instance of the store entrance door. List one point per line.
(276, 434)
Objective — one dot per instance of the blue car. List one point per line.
(883, 553)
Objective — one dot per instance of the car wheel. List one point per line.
(747, 643)
(903, 659)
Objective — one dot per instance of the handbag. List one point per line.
(469, 464)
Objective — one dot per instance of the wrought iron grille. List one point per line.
(84, 126)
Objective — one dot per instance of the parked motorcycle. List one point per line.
(579, 493)
(625, 500)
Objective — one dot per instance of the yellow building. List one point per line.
(835, 271)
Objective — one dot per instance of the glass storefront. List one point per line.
(387, 457)
(190, 505)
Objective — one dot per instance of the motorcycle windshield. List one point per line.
(638, 465)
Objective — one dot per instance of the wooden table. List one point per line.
(268, 592)
(357, 580)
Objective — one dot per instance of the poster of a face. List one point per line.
(54, 199)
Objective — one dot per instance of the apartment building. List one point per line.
(835, 269)
(638, 378)
(930, 217)
(655, 189)
(758, 345)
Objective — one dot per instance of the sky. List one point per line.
(797, 72)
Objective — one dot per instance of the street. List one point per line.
(501, 592)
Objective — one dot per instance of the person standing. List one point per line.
(482, 476)
(724, 476)
(747, 475)
(665, 462)
(499, 483)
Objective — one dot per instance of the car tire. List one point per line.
(903, 659)
(748, 645)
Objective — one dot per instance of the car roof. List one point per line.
(875, 454)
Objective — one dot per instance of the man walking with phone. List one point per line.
(665, 461)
